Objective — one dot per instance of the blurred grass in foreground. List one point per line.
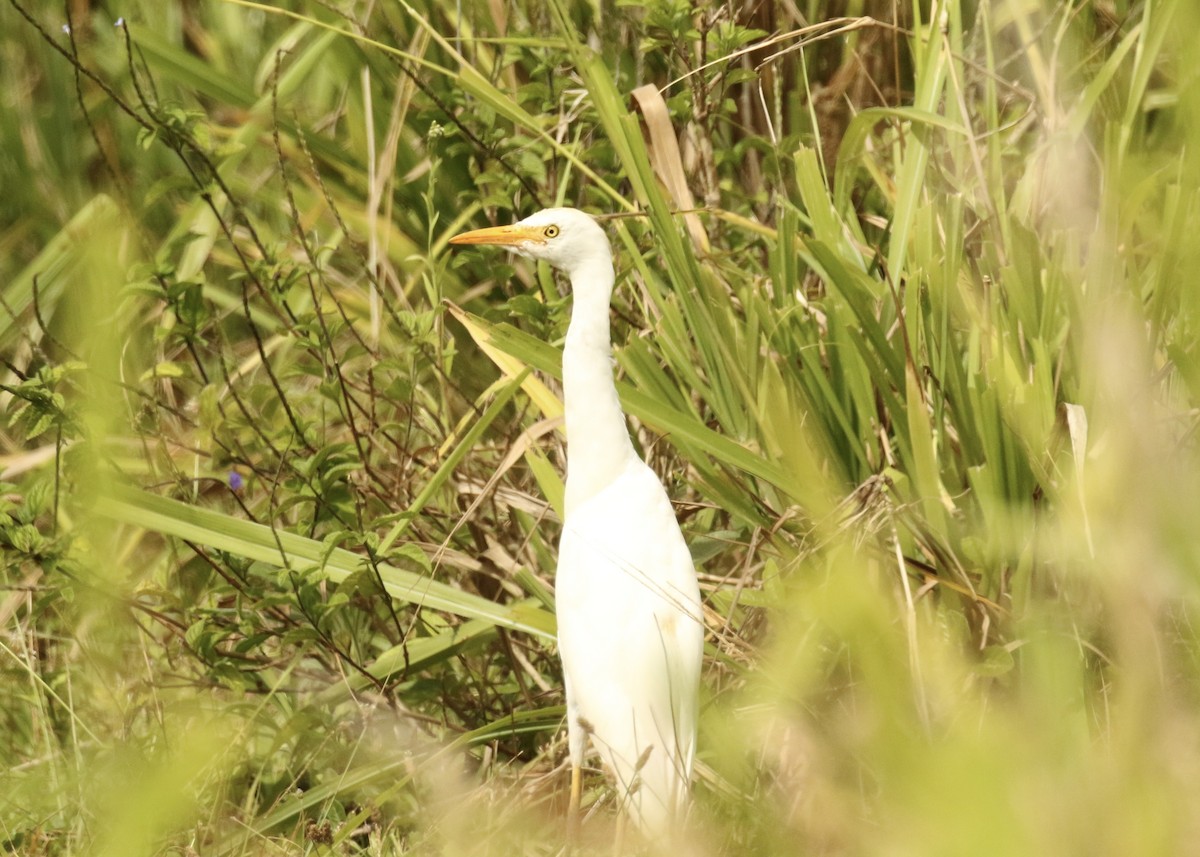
(280, 494)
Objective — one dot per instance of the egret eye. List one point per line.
(550, 231)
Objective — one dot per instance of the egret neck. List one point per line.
(598, 445)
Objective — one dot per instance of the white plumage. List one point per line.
(630, 627)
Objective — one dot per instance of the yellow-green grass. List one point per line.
(282, 477)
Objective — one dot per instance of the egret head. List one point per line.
(564, 237)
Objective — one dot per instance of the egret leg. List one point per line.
(573, 804)
(577, 732)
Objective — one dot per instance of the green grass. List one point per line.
(925, 392)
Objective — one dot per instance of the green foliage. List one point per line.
(281, 477)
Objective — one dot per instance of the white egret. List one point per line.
(630, 626)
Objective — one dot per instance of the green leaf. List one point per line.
(290, 551)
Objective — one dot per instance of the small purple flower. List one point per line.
(236, 482)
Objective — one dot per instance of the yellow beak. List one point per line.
(508, 236)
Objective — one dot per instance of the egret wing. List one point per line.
(631, 637)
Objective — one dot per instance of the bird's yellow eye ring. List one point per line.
(550, 231)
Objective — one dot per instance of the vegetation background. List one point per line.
(282, 476)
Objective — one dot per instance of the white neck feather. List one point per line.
(598, 445)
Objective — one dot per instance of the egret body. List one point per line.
(630, 627)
